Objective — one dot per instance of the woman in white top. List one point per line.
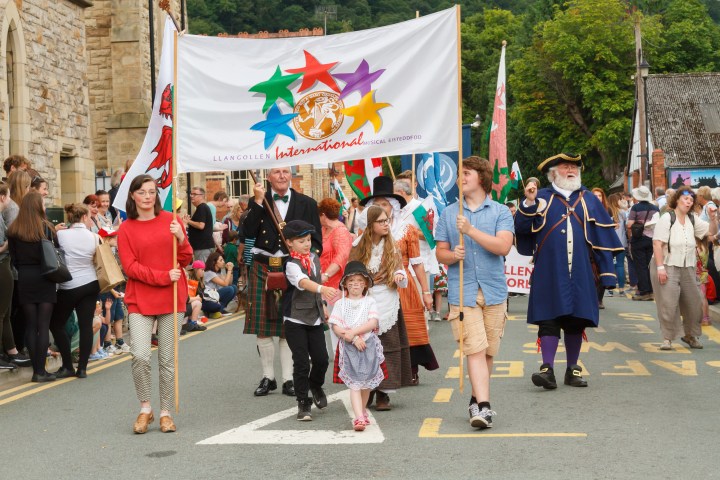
(80, 293)
(672, 269)
(217, 279)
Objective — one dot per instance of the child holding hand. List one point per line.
(359, 359)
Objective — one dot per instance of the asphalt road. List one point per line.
(646, 414)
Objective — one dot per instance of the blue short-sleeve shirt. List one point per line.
(482, 269)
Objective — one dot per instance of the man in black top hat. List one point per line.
(264, 312)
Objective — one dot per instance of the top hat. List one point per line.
(383, 188)
(553, 161)
(297, 228)
(356, 268)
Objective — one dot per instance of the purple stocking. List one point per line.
(573, 342)
(548, 347)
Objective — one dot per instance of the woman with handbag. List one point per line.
(80, 293)
(145, 244)
(36, 294)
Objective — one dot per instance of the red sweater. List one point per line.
(145, 249)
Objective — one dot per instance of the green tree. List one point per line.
(573, 87)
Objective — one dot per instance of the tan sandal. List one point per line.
(167, 424)
(142, 422)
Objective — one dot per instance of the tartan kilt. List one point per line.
(264, 309)
(336, 367)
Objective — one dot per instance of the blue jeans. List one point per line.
(227, 294)
(620, 269)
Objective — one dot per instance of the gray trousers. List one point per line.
(140, 347)
(682, 293)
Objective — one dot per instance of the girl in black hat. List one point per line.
(359, 360)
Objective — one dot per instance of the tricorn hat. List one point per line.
(555, 160)
(297, 228)
(356, 268)
(383, 188)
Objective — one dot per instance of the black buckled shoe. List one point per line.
(545, 377)
(318, 396)
(288, 388)
(63, 372)
(265, 387)
(573, 377)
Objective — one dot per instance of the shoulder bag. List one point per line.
(53, 266)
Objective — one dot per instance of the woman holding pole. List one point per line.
(145, 244)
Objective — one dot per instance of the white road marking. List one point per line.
(250, 433)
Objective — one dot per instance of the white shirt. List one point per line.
(682, 240)
(79, 244)
(282, 209)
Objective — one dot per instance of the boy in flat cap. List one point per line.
(572, 239)
(304, 317)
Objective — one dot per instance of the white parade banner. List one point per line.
(518, 270)
(262, 103)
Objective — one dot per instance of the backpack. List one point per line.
(673, 217)
(636, 229)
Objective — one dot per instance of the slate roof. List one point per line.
(684, 118)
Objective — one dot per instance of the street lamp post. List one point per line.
(642, 69)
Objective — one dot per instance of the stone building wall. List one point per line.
(49, 120)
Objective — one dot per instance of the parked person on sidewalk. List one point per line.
(641, 240)
(673, 269)
(36, 295)
(488, 229)
(305, 316)
(619, 217)
(377, 250)
(359, 360)
(145, 244)
(264, 311)
(196, 287)
(218, 276)
(80, 293)
(572, 239)
(200, 226)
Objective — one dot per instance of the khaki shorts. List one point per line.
(483, 326)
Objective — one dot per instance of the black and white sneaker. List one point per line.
(304, 410)
(5, 365)
(319, 398)
(480, 417)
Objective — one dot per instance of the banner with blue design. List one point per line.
(437, 172)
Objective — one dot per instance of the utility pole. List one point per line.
(641, 71)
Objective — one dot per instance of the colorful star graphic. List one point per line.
(276, 87)
(365, 111)
(314, 72)
(361, 80)
(275, 124)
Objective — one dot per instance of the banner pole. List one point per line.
(460, 191)
(392, 172)
(165, 5)
(173, 191)
(412, 179)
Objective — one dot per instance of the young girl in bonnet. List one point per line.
(359, 360)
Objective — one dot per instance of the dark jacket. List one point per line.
(259, 224)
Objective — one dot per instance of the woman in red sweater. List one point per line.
(145, 246)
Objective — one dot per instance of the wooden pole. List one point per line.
(173, 191)
(412, 178)
(460, 191)
(392, 172)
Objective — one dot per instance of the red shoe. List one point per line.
(359, 425)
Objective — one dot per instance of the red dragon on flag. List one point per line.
(164, 149)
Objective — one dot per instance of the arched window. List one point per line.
(14, 93)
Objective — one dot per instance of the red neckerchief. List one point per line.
(304, 260)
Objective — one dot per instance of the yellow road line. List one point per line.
(712, 333)
(90, 371)
(431, 429)
(443, 395)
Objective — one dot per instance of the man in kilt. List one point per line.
(264, 311)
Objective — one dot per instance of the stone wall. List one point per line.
(49, 123)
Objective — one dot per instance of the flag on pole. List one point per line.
(155, 155)
(360, 175)
(344, 202)
(498, 137)
(432, 168)
(515, 176)
(424, 215)
(259, 103)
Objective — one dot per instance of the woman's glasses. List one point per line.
(385, 221)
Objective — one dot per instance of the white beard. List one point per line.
(569, 184)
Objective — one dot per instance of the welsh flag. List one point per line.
(344, 202)
(361, 173)
(424, 215)
(498, 138)
(156, 153)
(515, 176)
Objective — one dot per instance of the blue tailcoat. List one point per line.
(558, 289)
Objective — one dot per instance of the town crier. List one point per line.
(572, 239)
